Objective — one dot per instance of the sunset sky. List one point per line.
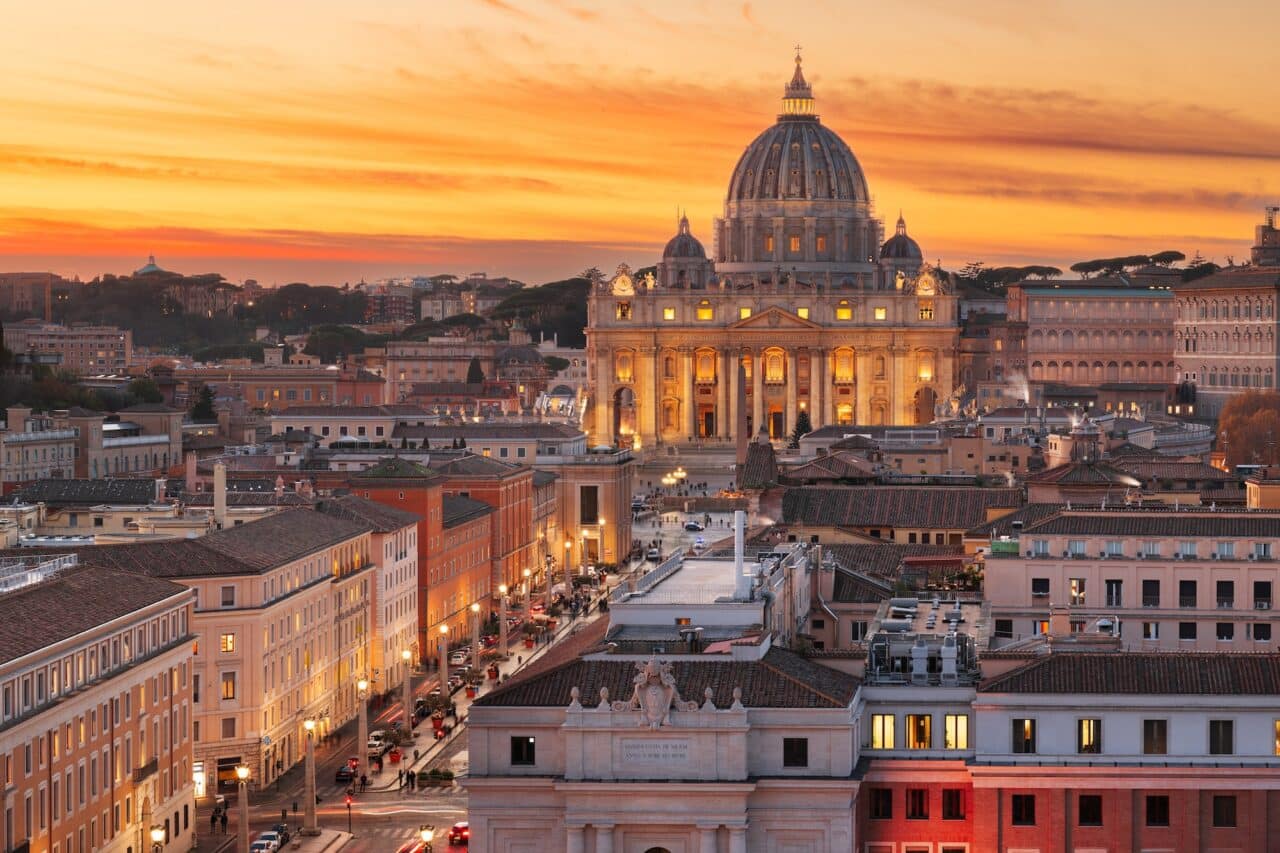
(329, 141)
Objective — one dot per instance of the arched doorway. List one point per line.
(926, 400)
(624, 414)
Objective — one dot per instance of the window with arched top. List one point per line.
(844, 311)
(844, 371)
(623, 367)
(775, 366)
(879, 367)
(704, 363)
(669, 367)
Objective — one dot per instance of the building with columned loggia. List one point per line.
(801, 290)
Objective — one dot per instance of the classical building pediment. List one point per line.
(774, 318)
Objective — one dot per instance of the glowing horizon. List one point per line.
(532, 139)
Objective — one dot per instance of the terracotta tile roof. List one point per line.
(834, 467)
(1003, 526)
(352, 412)
(1234, 278)
(853, 442)
(72, 601)
(544, 478)
(59, 493)
(474, 465)
(395, 468)
(234, 499)
(458, 510)
(944, 507)
(1129, 449)
(1155, 523)
(883, 560)
(478, 432)
(1085, 474)
(1136, 673)
(781, 679)
(152, 408)
(379, 517)
(1155, 469)
(760, 468)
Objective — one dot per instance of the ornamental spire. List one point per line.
(797, 97)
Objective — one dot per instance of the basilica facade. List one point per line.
(802, 306)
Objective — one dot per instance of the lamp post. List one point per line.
(426, 832)
(157, 838)
(568, 558)
(362, 733)
(502, 620)
(600, 539)
(546, 573)
(309, 813)
(444, 662)
(527, 583)
(242, 774)
(475, 633)
(407, 656)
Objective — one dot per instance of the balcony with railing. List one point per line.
(1187, 601)
(146, 770)
(1150, 601)
(1226, 603)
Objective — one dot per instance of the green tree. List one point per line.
(203, 408)
(802, 428)
(145, 391)
(555, 363)
(475, 375)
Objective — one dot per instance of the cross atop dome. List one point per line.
(902, 225)
(797, 97)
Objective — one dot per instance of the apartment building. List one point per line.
(393, 602)
(33, 447)
(462, 571)
(441, 359)
(95, 730)
(508, 488)
(270, 388)
(85, 350)
(281, 629)
(1199, 579)
(372, 424)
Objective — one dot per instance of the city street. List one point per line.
(383, 817)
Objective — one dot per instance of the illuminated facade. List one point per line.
(799, 290)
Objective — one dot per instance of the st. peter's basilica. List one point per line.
(802, 290)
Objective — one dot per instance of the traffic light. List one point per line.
(349, 800)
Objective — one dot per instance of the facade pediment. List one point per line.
(774, 318)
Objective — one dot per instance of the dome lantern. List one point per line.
(797, 97)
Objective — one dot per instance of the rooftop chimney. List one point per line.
(220, 495)
(741, 584)
(1059, 621)
(279, 486)
(160, 490)
(191, 472)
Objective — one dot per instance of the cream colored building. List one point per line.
(282, 628)
(95, 729)
(799, 290)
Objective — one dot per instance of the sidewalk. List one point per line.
(518, 658)
(328, 841)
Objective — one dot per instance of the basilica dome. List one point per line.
(900, 246)
(684, 244)
(798, 158)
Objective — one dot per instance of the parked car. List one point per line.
(344, 775)
(460, 833)
(377, 746)
(458, 658)
(699, 544)
(653, 555)
(283, 830)
(694, 526)
(272, 837)
(261, 847)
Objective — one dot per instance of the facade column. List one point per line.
(656, 420)
(732, 360)
(707, 838)
(604, 837)
(722, 394)
(899, 405)
(645, 391)
(817, 387)
(690, 402)
(575, 839)
(793, 382)
(862, 388)
(737, 839)
(604, 398)
(757, 393)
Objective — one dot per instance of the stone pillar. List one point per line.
(656, 408)
(810, 239)
(708, 835)
(778, 236)
(604, 397)
(900, 404)
(748, 241)
(723, 425)
(690, 401)
(645, 387)
(757, 394)
(793, 383)
(818, 392)
(575, 839)
(737, 839)
(731, 377)
(604, 837)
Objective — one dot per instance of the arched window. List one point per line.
(844, 365)
(775, 366)
(705, 366)
(880, 367)
(669, 367)
(624, 368)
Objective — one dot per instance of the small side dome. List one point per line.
(684, 244)
(900, 246)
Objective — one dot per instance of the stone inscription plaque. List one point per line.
(667, 752)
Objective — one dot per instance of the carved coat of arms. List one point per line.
(655, 695)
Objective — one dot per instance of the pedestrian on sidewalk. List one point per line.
(223, 818)
(364, 782)
(400, 778)
(213, 821)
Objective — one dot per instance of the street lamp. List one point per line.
(242, 774)
(362, 733)
(444, 662)
(309, 813)
(600, 539)
(157, 838)
(527, 583)
(406, 655)
(475, 633)
(502, 621)
(427, 832)
(546, 573)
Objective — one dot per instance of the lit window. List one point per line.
(1089, 736)
(227, 643)
(882, 731)
(843, 310)
(623, 372)
(844, 365)
(1024, 736)
(669, 313)
(919, 735)
(822, 242)
(926, 309)
(768, 243)
(957, 731)
(704, 310)
(881, 313)
(795, 244)
(802, 313)
(228, 685)
(744, 313)
(624, 311)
